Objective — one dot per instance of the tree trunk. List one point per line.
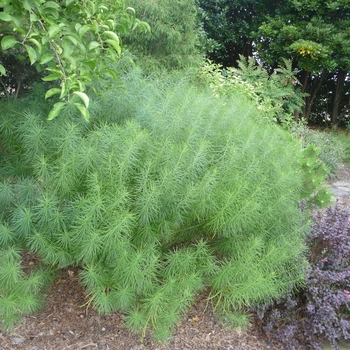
(303, 81)
(309, 100)
(337, 97)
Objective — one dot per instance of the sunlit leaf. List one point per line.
(83, 110)
(52, 77)
(31, 53)
(52, 92)
(56, 110)
(83, 97)
(2, 70)
(5, 17)
(8, 41)
(46, 58)
(115, 45)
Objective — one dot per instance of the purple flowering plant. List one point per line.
(320, 311)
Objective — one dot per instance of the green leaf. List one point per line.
(69, 2)
(53, 69)
(33, 17)
(92, 45)
(85, 113)
(52, 77)
(2, 70)
(115, 45)
(55, 110)
(5, 17)
(84, 97)
(26, 5)
(53, 30)
(52, 92)
(64, 89)
(83, 30)
(31, 53)
(36, 43)
(46, 58)
(72, 61)
(112, 35)
(51, 4)
(8, 41)
(67, 47)
(111, 73)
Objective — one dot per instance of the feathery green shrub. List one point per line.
(169, 190)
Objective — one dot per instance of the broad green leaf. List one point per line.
(92, 45)
(111, 73)
(115, 45)
(36, 43)
(84, 111)
(52, 92)
(76, 41)
(131, 9)
(21, 57)
(5, 17)
(26, 5)
(83, 30)
(52, 77)
(46, 58)
(73, 38)
(8, 41)
(31, 53)
(112, 35)
(53, 69)
(91, 64)
(51, 4)
(55, 110)
(67, 47)
(64, 89)
(77, 26)
(72, 61)
(45, 39)
(33, 17)
(103, 7)
(2, 70)
(69, 2)
(84, 97)
(53, 30)
(82, 85)
(111, 24)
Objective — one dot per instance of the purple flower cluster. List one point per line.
(321, 310)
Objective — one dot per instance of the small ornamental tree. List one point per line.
(70, 41)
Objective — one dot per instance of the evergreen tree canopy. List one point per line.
(172, 42)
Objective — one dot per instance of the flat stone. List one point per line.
(17, 340)
(339, 192)
(341, 184)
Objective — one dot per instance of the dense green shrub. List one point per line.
(276, 95)
(173, 41)
(331, 150)
(167, 191)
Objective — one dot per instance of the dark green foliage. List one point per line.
(172, 42)
(175, 191)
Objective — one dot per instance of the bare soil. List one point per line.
(67, 323)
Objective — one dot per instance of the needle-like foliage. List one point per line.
(186, 191)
